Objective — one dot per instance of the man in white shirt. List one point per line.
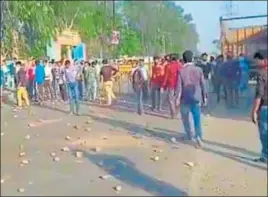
(48, 81)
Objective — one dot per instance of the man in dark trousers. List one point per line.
(172, 70)
(259, 112)
(191, 93)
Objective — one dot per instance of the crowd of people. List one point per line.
(62, 81)
(187, 83)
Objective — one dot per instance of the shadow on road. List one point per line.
(165, 135)
(124, 170)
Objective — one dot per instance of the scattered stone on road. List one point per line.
(76, 127)
(2, 181)
(158, 151)
(22, 154)
(105, 177)
(173, 139)
(2, 133)
(68, 138)
(88, 129)
(118, 188)
(53, 154)
(88, 122)
(78, 154)
(25, 162)
(156, 158)
(21, 190)
(15, 116)
(65, 149)
(27, 137)
(21, 147)
(190, 164)
(96, 149)
(56, 159)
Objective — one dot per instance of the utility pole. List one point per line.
(113, 27)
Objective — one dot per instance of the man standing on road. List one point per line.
(206, 68)
(72, 85)
(232, 75)
(40, 80)
(140, 82)
(191, 93)
(259, 112)
(170, 82)
(106, 73)
(158, 71)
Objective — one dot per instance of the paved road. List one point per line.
(116, 142)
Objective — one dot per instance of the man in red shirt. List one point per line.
(158, 71)
(170, 82)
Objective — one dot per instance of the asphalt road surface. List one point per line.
(113, 151)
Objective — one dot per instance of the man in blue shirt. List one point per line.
(40, 80)
(11, 79)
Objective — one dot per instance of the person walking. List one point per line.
(106, 73)
(172, 70)
(91, 80)
(55, 71)
(156, 83)
(259, 113)
(139, 80)
(190, 94)
(72, 85)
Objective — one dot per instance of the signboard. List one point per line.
(115, 37)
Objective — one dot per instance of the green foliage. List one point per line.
(146, 27)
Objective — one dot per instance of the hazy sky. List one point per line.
(206, 16)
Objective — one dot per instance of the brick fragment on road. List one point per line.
(21, 147)
(105, 177)
(52, 154)
(56, 159)
(22, 154)
(88, 122)
(118, 188)
(156, 158)
(88, 129)
(65, 149)
(76, 127)
(190, 164)
(173, 139)
(158, 151)
(96, 149)
(21, 190)
(67, 138)
(78, 154)
(25, 162)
